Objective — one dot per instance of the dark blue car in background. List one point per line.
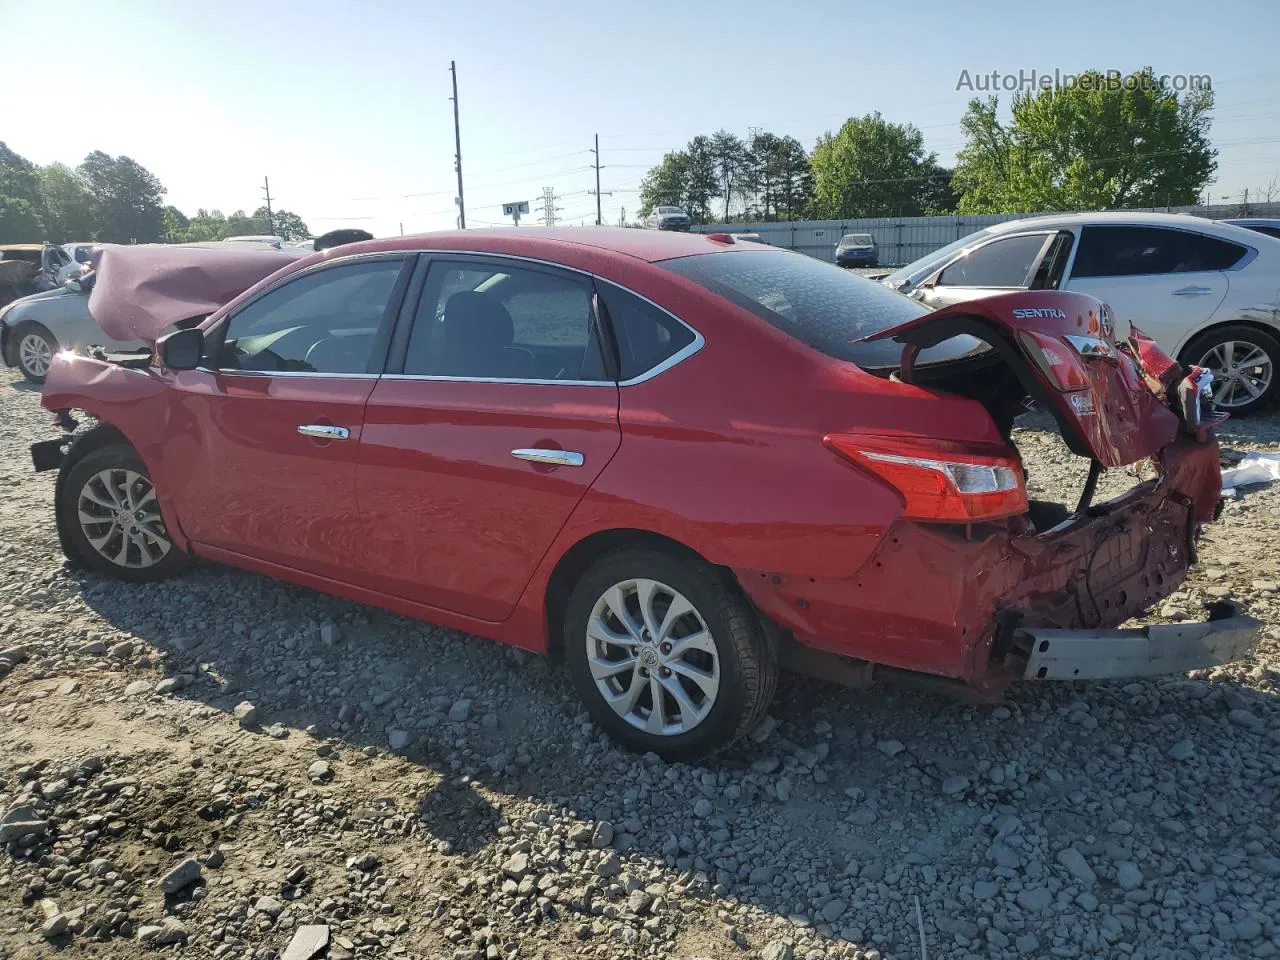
(857, 250)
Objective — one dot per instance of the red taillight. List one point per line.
(938, 480)
(1055, 359)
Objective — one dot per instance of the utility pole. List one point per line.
(271, 223)
(596, 191)
(622, 216)
(457, 145)
(549, 208)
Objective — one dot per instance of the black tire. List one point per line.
(35, 330)
(72, 482)
(748, 661)
(1203, 345)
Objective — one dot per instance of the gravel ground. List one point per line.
(226, 766)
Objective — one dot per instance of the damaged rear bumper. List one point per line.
(1155, 650)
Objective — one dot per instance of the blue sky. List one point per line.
(345, 105)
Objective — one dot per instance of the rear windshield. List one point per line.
(675, 210)
(817, 303)
(856, 240)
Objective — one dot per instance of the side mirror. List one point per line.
(73, 284)
(181, 350)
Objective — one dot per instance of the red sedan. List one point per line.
(674, 461)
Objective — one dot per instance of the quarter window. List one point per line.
(1144, 251)
(646, 336)
(489, 320)
(323, 322)
(1001, 263)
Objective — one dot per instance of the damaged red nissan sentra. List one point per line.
(677, 462)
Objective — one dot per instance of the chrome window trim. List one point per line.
(676, 358)
(1088, 346)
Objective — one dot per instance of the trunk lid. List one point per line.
(1110, 398)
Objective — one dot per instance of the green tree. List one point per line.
(206, 225)
(731, 159)
(287, 226)
(664, 185)
(21, 206)
(68, 204)
(701, 185)
(127, 198)
(176, 224)
(872, 168)
(1095, 145)
(779, 179)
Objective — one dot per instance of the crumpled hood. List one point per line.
(139, 291)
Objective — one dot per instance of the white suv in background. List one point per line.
(1207, 292)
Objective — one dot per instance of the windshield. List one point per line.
(817, 303)
(913, 272)
(671, 210)
(856, 240)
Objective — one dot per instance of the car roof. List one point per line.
(1252, 221)
(22, 246)
(648, 245)
(1132, 218)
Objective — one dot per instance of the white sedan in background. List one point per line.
(1207, 292)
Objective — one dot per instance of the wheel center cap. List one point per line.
(649, 656)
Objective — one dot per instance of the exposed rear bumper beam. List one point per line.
(1155, 650)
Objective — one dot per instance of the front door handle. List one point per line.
(1191, 291)
(558, 458)
(324, 431)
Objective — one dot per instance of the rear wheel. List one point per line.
(667, 655)
(1243, 360)
(109, 513)
(34, 350)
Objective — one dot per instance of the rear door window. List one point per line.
(1121, 251)
(1001, 263)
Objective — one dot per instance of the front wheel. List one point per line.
(109, 515)
(667, 655)
(1243, 360)
(34, 351)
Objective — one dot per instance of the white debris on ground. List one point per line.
(1252, 469)
(222, 766)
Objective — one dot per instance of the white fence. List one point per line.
(904, 239)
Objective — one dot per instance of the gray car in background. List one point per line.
(34, 328)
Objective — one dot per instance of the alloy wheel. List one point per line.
(652, 657)
(35, 354)
(120, 518)
(1242, 372)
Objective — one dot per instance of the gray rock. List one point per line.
(320, 772)
(137, 688)
(766, 765)
(1076, 865)
(516, 866)
(397, 739)
(270, 906)
(1027, 944)
(246, 714)
(1182, 750)
(783, 789)
(602, 835)
(1128, 876)
(955, 784)
(1206, 893)
(169, 685)
(329, 633)
(307, 942)
(1035, 899)
(639, 900)
(170, 931)
(55, 926)
(890, 748)
(863, 817)
(610, 866)
(778, 950)
(180, 877)
(834, 909)
(1248, 929)
(460, 712)
(1267, 866)
(1245, 719)
(702, 808)
(985, 890)
(20, 822)
(1121, 828)
(94, 648)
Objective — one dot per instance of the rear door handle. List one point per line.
(1191, 291)
(324, 431)
(559, 458)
